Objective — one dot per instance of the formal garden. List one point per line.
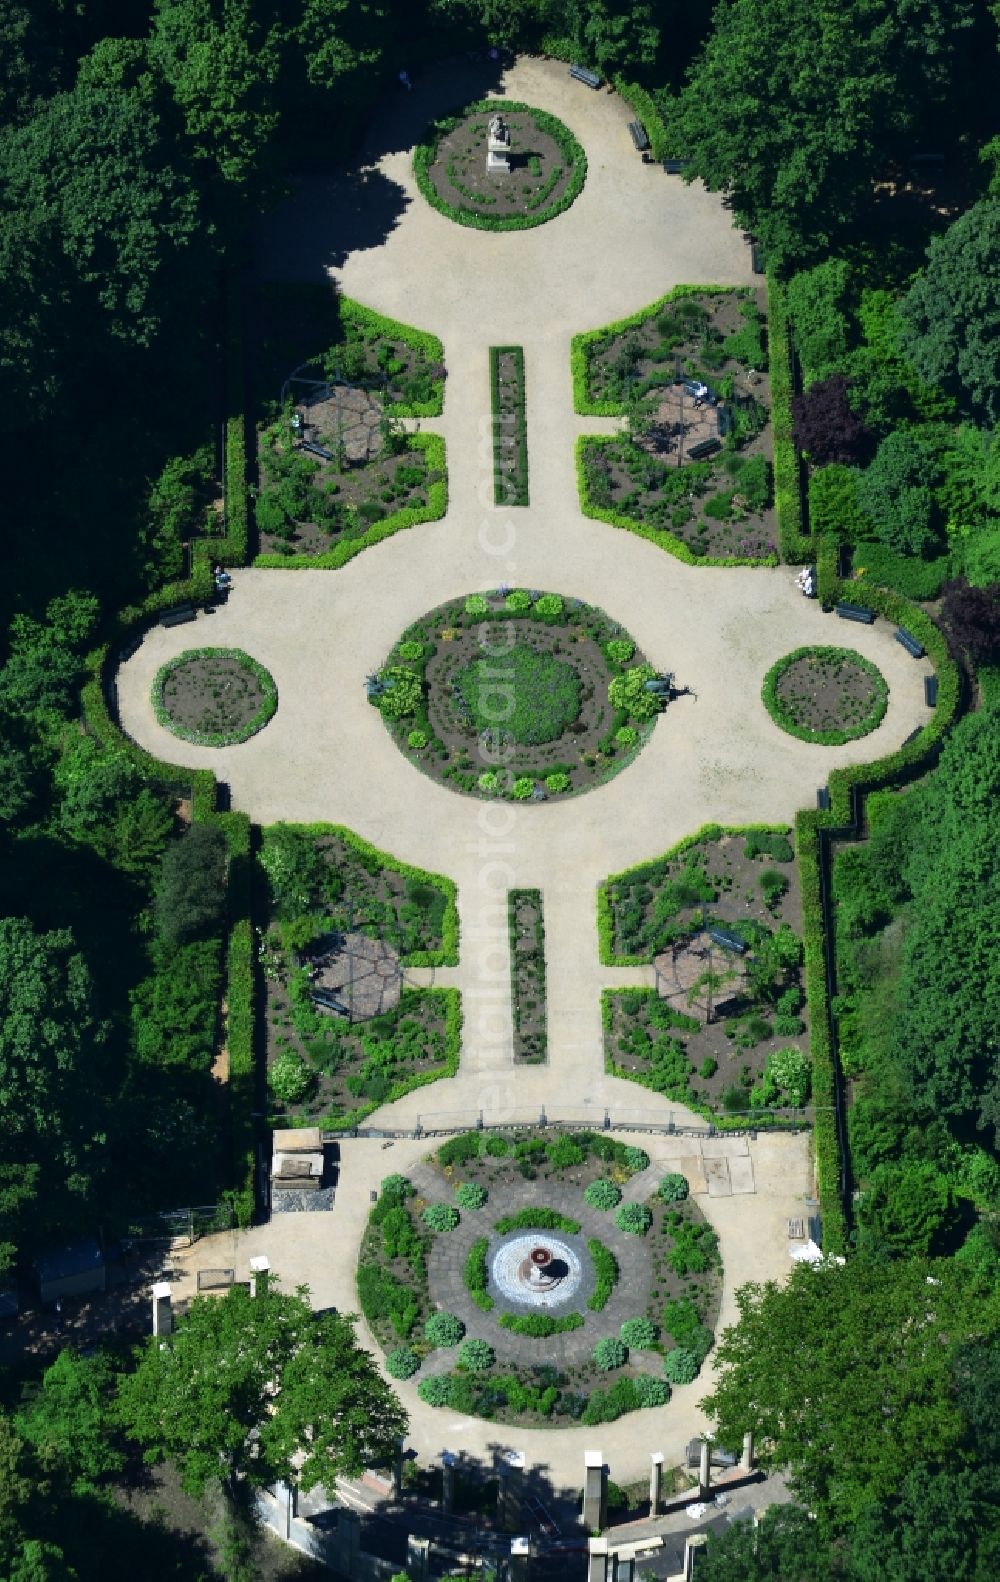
(825, 695)
(547, 167)
(720, 918)
(344, 1032)
(693, 467)
(518, 694)
(526, 936)
(214, 697)
(337, 470)
(499, 1242)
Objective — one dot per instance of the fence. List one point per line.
(440, 1123)
(180, 1227)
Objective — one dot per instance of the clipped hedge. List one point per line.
(520, 479)
(539, 1326)
(785, 719)
(796, 547)
(537, 1219)
(579, 349)
(476, 1275)
(655, 535)
(641, 102)
(332, 559)
(265, 713)
(605, 1272)
(368, 322)
(425, 152)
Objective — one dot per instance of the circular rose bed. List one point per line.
(825, 695)
(547, 167)
(527, 696)
(214, 696)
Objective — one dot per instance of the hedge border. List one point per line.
(216, 738)
(578, 356)
(654, 535)
(363, 318)
(447, 956)
(520, 481)
(534, 898)
(796, 547)
(332, 559)
(452, 1000)
(652, 121)
(425, 152)
(831, 738)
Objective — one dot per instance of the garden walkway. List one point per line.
(631, 235)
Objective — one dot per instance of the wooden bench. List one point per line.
(177, 615)
(590, 79)
(728, 940)
(823, 798)
(855, 612)
(317, 450)
(930, 691)
(703, 449)
(757, 258)
(673, 167)
(915, 649)
(637, 132)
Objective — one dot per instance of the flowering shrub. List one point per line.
(289, 1078)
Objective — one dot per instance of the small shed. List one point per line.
(75, 1269)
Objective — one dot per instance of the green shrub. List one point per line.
(524, 788)
(497, 1147)
(673, 1188)
(563, 1153)
(650, 1391)
(410, 650)
(610, 1353)
(773, 885)
(402, 696)
(619, 650)
(475, 604)
(441, 1216)
(635, 1159)
(708, 1067)
(638, 1333)
(443, 1329)
(627, 736)
(549, 606)
(435, 1391)
(417, 740)
(289, 1078)
(476, 1274)
(476, 1355)
(557, 782)
(396, 1189)
(460, 1150)
(634, 1219)
(603, 1195)
(681, 1366)
(518, 601)
(470, 1195)
(489, 781)
(605, 1271)
(401, 1363)
(540, 1325)
(537, 1219)
(898, 492)
(682, 1323)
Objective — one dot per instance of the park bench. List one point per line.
(673, 167)
(756, 258)
(930, 691)
(915, 649)
(590, 79)
(728, 940)
(328, 1002)
(855, 612)
(637, 132)
(317, 450)
(703, 449)
(823, 798)
(177, 615)
(216, 1279)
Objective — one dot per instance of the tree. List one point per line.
(931, 1530)
(907, 1209)
(44, 666)
(614, 35)
(950, 317)
(69, 1421)
(827, 427)
(820, 307)
(175, 1010)
(878, 1398)
(972, 617)
(897, 492)
(787, 1544)
(191, 889)
(245, 1384)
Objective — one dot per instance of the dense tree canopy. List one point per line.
(950, 316)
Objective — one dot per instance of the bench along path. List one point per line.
(326, 755)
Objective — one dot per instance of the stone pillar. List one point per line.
(287, 1498)
(655, 1482)
(520, 1559)
(705, 1470)
(163, 1313)
(511, 1489)
(595, 1492)
(448, 1483)
(623, 1568)
(397, 1470)
(691, 1546)
(259, 1271)
(598, 1565)
(349, 1534)
(417, 1557)
(746, 1460)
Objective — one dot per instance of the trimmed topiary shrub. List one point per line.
(681, 1366)
(441, 1216)
(401, 1363)
(673, 1188)
(610, 1353)
(435, 1391)
(444, 1329)
(603, 1195)
(470, 1195)
(476, 1355)
(289, 1078)
(638, 1333)
(634, 1219)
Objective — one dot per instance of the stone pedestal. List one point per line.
(595, 1492)
(260, 1268)
(511, 1490)
(705, 1470)
(655, 1482)
(498, 147)
(163, 1313)
(597, 1568)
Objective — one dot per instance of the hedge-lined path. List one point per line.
(631, 235)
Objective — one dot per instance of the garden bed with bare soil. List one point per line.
(214, 696)
(825, 695)
(547, 167)
(527, 974)
(724, 1028)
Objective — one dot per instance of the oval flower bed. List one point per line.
(547, 167)
(825, 695)
(519, 695)
(214, 696)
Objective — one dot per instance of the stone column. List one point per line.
(163, 1313)
(655, 1482)
(746, 1460)
(288, 1505)
(448, 1483)
(623, 1568)
(595, 1492)
(511, 1489)
(691, 1546)
(520, 1559)
(598, 1564)
(417, 1557)
(260, 1268)
(705, 1470)
(349, 1535)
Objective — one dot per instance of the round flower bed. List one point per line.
(214, 696)
(825, 695)
(547, 167)
(517, 694)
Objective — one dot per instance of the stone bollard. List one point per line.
(260, 1268)
(705, 1470)
(163, 1313)
(655, 1482)
(746, 1460)
(511, 1489)
(595, 1492)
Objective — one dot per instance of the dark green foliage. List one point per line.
(70, 1421)
(537, 1219)
(540, 1325)
(819, 301)
(898, 492)
(191, 890)
(44, 664)
(546, 694)
(460, 1150)
(907, 1209)
(682, 1322)
(605, 1271)
(175, 1010)
(476, 1274)
(786, 1543)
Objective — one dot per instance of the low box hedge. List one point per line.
(371, 323)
